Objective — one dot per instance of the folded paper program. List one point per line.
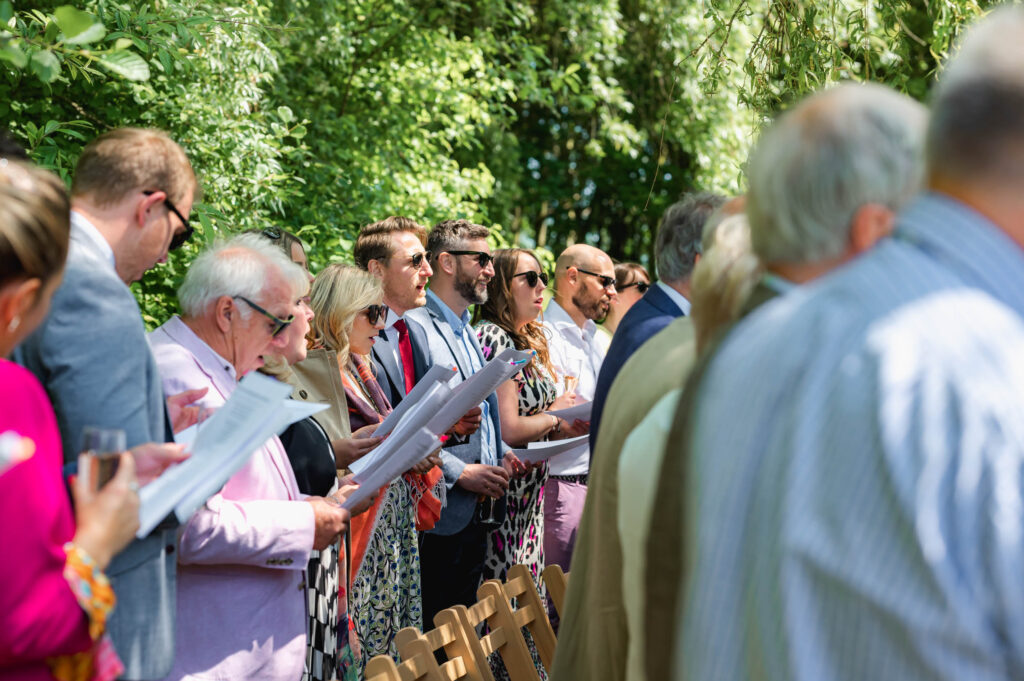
(257, 410)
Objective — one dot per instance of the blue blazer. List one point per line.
(387, 371)
(648, 316)
(445, 349)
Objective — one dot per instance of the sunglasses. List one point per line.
(641, 287)
(483, 259)
(533, 277)
(272, 233)
(417, 260)
(606, 282)
(279, 324)
(180, 237)
(376, 313)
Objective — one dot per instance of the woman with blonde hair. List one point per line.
(384, 563)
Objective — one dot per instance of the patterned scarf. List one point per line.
(427, 489)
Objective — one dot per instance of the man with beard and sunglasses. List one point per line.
(452, 553)
(584, 286)
(131, 196)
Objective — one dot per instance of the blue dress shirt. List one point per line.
(463, 331)
(856, 507)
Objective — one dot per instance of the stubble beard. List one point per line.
(591, 309)
(465, 286)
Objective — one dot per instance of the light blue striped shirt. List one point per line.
(856, 505)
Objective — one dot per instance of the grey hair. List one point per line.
(976, 130)
(240, 266)
(819, 163)
(678, 242)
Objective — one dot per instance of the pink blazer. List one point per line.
(39, 615)
(242, 557)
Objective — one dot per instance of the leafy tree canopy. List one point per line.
(555, 121)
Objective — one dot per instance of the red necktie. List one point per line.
(405, 350)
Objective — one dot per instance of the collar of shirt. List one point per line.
(778, 284)
(556, 315)
(676, 297)
(389, 321)
(458, 324)
(84, 230)
(206, 355)
(981, 252)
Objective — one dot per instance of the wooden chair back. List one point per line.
(504, 635)
(531, 611)
(557, 582)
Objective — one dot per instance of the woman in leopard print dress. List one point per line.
(509, 320)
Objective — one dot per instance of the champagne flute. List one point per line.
(102, 448)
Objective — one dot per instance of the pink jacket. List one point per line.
(242, 557)
(39, 615)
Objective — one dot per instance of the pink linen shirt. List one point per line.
(242, 556)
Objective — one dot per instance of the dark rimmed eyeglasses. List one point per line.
(533, 277)
(179, 238)
(272, 233)
(641, 287)
(483, 259)
(376, 313)
(606, 282)
(279, 324)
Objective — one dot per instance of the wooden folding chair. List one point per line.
(531, 611)
(557, 582)
(504, 635)
(382, 668)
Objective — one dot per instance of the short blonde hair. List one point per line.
(126, 160)
(723, 279)
(339, 293)
(34, 222)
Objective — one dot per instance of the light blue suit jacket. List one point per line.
(444, 348)
(92, 357)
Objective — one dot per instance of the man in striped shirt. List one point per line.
(858, 452)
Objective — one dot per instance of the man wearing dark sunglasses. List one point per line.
(452, 554)
(131, 194)
(393, 250)
(584, 286)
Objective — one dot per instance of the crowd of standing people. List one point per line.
(805, 444)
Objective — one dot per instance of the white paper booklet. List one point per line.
(258, 409)
(535, 452)
(579, 412)
(413, 449)
(436, 374)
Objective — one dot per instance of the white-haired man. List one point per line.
(859, 443)
(242, 557)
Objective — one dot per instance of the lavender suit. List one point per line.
(242, 556)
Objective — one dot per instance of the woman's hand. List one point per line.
(564, 401)
(567, 432)
(347, 486)
(427, 464)
(514, 465)
(106, 519)
(348, 449)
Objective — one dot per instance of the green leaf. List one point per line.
(79, 27)
(45, 65)
(13, 54)
(6, 11)
(571, 68)
(122, 44)
(285, 114)
(126, 64)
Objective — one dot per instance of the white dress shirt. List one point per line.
(83, 230)
(576, 352)
(391, 333)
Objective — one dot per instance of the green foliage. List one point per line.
(555, 122)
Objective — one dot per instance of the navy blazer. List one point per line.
(388, 373)
(648, 316)
(444, 348)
